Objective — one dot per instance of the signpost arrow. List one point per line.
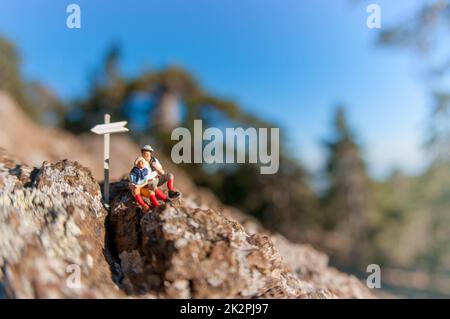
(105, 130)
(115, 127)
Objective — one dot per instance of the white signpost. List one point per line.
(105, 130)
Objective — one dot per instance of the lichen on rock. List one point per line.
(189, 251)
(49, 224)
(54, 227)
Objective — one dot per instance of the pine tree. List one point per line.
(346, 202)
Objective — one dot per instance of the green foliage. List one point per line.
(346, 200)
(10, 79)
(420, 31)
(107, 93)
(282, 201)
(46, 108)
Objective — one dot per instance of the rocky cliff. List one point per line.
(58, 241)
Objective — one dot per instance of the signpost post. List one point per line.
(105, 130)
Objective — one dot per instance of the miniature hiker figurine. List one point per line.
(138, 180)
(157, 176)
(139, 185)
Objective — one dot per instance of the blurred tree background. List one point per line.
(401, 223)
(415, 211)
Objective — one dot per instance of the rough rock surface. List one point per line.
(53, 223)
(189, 250)
(52, 233)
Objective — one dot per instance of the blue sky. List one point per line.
(290, 61)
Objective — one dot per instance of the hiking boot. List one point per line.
(174, 194)
(169, 200)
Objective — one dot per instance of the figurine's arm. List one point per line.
(157, 166)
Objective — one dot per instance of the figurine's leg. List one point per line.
(150, 193)
(153, 199)
(169, 178)
(159, 193)
(137, 196)
(170, 181)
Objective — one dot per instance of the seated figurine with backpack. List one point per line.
(157, 175)
(139, 181)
